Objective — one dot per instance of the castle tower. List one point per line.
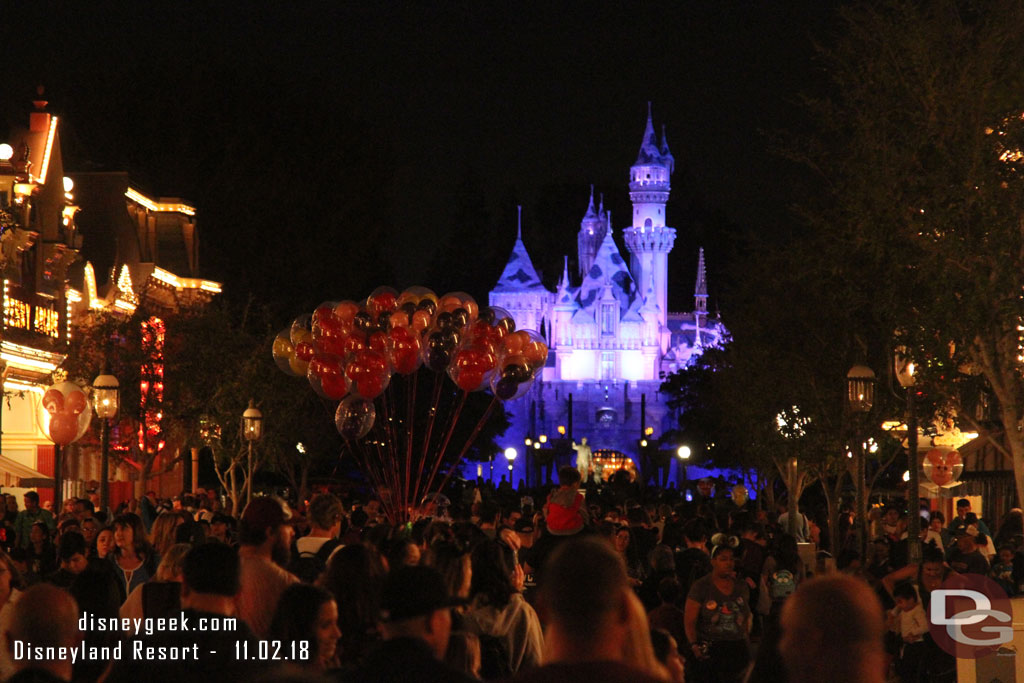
(592, 230)
(649, 240)
(520, 290)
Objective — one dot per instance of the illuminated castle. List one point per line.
(611, 335)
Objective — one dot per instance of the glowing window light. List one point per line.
(28, 358)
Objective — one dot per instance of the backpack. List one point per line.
(781, 583)
(561, 518)
(309, 566)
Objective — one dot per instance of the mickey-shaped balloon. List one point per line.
(69, 414)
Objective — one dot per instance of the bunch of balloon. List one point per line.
(349, 352)
(65, 419)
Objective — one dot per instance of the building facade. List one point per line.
(611, 336)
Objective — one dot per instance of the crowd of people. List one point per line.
(568, 583)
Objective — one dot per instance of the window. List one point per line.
(608, 319)
(607, 365)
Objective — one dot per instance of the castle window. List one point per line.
(608, 318)
(648, 223)
(608, 365)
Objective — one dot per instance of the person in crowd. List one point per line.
(666, 651)
(693, 561)
(103, 544)
(966, 558)
(357, 521)
(1011, 529)
(565, 512)
(12, 584)
(667, 616)
(416, 626)
(586, 595)
(637, 649)
(1002, 570)
(325, 516)
(90, 527)
(46, 617)
(622, 541)
(161, 596)
(222, 528)
(498, 610)
(910, 623)
(718, 619)
(42, 556)
(308, 615)
(832, 630)
(355, 577)
(402, 552)
(662, 566)
(71, 554)
(132, 556)
(802, 531)
(456, 568)
(782, 572)
(265, 533)
(963, 508)
(210, 582)
(30, 515)
(164, 531)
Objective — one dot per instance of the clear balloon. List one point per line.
(471, 367)
(355, 417)
(508, 387)
(381, 300)
(66, 413)
(326, 376)
(404, 348)
(300, 329)
(283, 352)
(367, 373)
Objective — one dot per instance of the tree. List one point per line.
(918, 151)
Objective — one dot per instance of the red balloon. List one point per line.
(378, 342)
(304, 351)
(382, 300)
(75, 402)
(469, 380)
(404, 350)
(53, 401)
(334, 386)
(352, 342)
(63, 428)
(367, 373)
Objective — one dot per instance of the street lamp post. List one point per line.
(252, 430)
(106, 391)
(683, 453)
(510, 455)
(905, 376)
(860, 396)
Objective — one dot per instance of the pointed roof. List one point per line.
(519, 274)
(591, 214)
(651, 152)
(608, 268)
(702, 281)
(666, 155)
(564, 296)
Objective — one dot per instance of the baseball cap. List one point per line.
(414, 592)
(267, 512)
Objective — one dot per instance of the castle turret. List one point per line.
(519, 289)
(592, 230)
(649, 240)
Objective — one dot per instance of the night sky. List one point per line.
(332, 146)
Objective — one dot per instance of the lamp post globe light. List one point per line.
(860, 397)
(252, 431)
(106, 394)
(510, 455)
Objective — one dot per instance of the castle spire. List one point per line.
(700, 292)
(649, 150)
(666, 155)
(519, 223)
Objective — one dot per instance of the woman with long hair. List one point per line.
(132, 556)
(164, 531)
(717, 620)
(355, 576)
(497, 608)
(308, 614)
(161, 596)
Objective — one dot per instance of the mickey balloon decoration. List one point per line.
(943, 466)
(69, 413)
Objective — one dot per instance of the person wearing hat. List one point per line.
(416, 624)
(265, 533)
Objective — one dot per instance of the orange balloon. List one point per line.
(346, 311)
(421, 320)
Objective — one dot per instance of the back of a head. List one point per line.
(212, 569)
(840, 620)
(325, 510)
(45, 616)
(582, 587)
(695, 531)
(568, 476)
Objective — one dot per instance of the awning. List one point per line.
(13, 473)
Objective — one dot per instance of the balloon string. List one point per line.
(469, 442)
(363, 460)
(389, 456)
(409, 430)
(438, 382)
(448, 437)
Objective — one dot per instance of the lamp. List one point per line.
(6, 152)
(510, 454)
(683, 452)
(860, 396)
(252, 430)
(106, 393)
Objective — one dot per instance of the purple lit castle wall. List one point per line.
(611, 337)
